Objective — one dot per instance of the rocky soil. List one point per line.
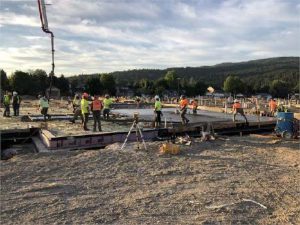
(232, 180)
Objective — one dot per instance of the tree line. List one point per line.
(277, 76)
(33, 82)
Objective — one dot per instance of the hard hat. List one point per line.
(107, 95)
(235, 101)
(15, 93)
(39, 96)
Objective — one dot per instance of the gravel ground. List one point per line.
(235, 180)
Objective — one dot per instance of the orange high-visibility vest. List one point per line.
(273, 105)
(97, 105)
(237, 105)
(183, 103)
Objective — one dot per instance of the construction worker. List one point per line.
(77, 108)
(16, 101)
(96, 107)
(106, 106)
(158, 112)
(138, 101)
(194, 106)
(237, 108)
(6, 103)
(183, 108)
(44, 106)
(85, 110)
(272, 106)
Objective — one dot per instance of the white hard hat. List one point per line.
(156, 97)
(15, 93)
(235, 101)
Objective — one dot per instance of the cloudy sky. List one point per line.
(109, 35)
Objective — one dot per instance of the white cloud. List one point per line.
(10, 18)
(101, 36)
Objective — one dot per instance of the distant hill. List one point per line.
(286, 68)
(259, 72)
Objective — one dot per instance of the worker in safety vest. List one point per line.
(77, 109)
(237, 108)
(106, 106)
(183, 108)
(44, 106)
(96, 107)
(6, 103)
(194, 106)
(85, 110)
(16, 101)
(158, 112)
(273, 106)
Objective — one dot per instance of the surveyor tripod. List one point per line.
(138, 132)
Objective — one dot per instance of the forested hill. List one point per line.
(256, 72)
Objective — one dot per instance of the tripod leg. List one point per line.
(127, 136)
(142, 136)
(137, 137)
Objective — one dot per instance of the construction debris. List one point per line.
(169, 148)
(233, 203)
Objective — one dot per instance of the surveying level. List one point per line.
(138, 132)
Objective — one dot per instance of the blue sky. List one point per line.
(105, 36)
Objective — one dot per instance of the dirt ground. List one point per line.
(233, 180)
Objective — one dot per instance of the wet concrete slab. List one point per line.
(202, 116)
(61, 128)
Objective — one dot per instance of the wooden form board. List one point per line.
(90, 140)
(226, 126)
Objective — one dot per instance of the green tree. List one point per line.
(93, 86)
(4, 81)
(233, 84)
(279, 88)
(21, 82)
(146, 86)
(200, 88)
(170, 79)
(40, 81)
(160, 85)
(63, 85)
(108, 83)
(296, 89)
(159, 90)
